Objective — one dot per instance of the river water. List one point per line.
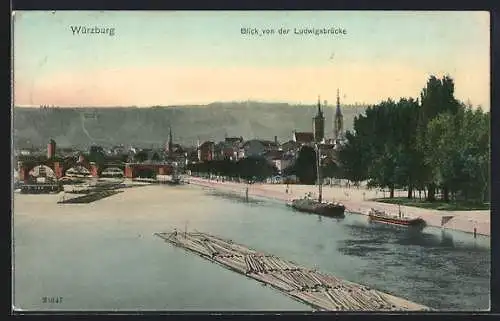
(103, 255)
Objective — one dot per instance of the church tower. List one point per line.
(170, 146)
(319, 125)
(338, 123)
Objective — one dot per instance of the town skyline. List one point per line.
(382, 55)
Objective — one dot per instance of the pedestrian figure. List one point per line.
(287, 188)
(475, 232)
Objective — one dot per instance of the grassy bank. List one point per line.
(436, 205)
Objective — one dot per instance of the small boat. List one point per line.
(382, 217)
(313, 206)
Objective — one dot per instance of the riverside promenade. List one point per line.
(357, 200)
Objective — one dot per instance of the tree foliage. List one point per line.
(250, 168)
(305, 166)
(436, 144)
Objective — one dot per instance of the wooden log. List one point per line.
(248, 265)
(286, 279)
(241, 265)
(228, 262)
(313, 275)
(364, 303)
(298, 280)
(234, 246)
(255, 263)
(276, 282)
(339, 297)
(350, 305)
(317, 300)
(211, 248)
(362, 300)
(338, 304)
(250, 262)
(222, 250)
(272, 261)
(224, 247)
(298, 276)
(310, 282)
(266, 265)
(380, 300)
(286, 265)
(259, 264)
(282, 264)
(333, 298)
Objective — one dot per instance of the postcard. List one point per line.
(251, 161)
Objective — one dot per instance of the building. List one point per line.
(319, 125)
(290, 147)
(303, 138)
(257, 147)
(338, 123)
(235, 141)
(206, 151)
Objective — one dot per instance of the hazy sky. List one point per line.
(167, 58)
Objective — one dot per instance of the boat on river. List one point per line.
(318, 206)
(382, 217)
(310, 205)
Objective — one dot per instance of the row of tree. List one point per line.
(435, 144)
(250, 168)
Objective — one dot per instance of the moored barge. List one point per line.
(313, 206)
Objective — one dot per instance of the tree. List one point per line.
(383, 146)
(141, 156)
(305, 165)
(255, 167)
(458, 153)
(436, 98)
(97, 155)
(330, 169)
(354, 159)
(442, 154)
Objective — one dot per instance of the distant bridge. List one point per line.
(29, 168)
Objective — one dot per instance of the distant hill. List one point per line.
(148, 127)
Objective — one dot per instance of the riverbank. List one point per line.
(358, 201)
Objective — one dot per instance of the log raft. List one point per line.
(321, 291)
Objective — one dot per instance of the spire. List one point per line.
(338, 112)
(320, 113)
(170, 140)
(338, 124)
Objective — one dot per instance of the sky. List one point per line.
(188, 57)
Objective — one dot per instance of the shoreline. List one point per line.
(357, 201)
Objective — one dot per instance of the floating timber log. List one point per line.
(319, 290)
